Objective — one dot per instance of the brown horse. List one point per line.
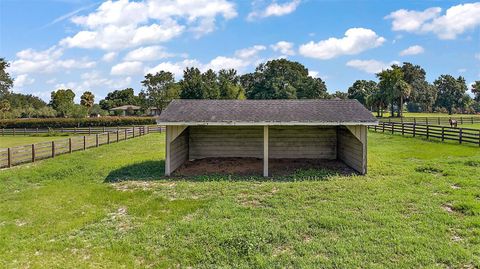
(453, 123)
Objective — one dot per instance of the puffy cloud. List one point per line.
(127, 68)
(356, 40)
(151, 53)
(22, 80)
(122, 24)
(249, 52)
(175, 67)
(110, 56)
(412, 50)
(274, 9)
(284, 47)
(46, 61)
(370, 66)
(456, 20)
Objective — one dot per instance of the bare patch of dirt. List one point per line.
(455, 187)
(254, 166)
(448, 208)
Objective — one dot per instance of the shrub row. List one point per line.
(71, 122)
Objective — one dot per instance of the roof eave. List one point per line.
(239, 123)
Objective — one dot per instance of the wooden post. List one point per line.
(33, 153)
(393, 125)
(414, 125)
(89, 130)
(438, 120)
(428, 133)
(461, 120)
(84, 142)
(133, 131)
(25, 131)
(53, 149)
(383, 127)
(13, 131)
(108, 138)
(70, 145)
(167, 151)
(36, 131)
(9, 157)
(117, 135)
(426, 120)
(96, 140)
(126, 133)
(443, 133)
(403, 129)
(460, 135)
(265, 151)
(104, 129)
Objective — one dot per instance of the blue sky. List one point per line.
(107, 45)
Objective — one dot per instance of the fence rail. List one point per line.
(33, 152)
(432, 120)
(460, 135)
(73, 130)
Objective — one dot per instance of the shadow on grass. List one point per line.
(149, 170)
(154, 170)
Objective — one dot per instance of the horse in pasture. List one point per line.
(453, 123)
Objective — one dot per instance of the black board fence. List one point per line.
(443, 133)
(33, 152)
(433, 120)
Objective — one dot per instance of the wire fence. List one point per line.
(33, 152)
(443, 133)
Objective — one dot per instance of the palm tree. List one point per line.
(402, 90)
(87, 100)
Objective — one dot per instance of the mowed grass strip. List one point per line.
(108, 207)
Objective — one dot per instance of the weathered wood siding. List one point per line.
(179, 150)
(303, 142)
(352, 147)
(225, 141)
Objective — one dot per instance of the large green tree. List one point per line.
(161, 89)
(229, 85)
(191, 85)
(361, 89)
(282, 79)
(476, 90)
(210, 87)
(402, 90)
(62, 101)
(119, 98)
(6, 82)
(450, 92)
(388, 79)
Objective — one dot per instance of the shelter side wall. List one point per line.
(351, 150)
(225, 141)
(312, 142)
(179, 150)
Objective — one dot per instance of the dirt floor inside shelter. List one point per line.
(254, 166)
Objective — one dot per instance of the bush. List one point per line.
(70, 122)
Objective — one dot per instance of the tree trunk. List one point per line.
(400, 108)
(392, 110)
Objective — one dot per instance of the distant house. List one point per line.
(153, 111)
(126, 109)
(266, 130)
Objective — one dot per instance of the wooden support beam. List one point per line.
(265, 151)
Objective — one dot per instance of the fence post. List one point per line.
(403, 129)
(96, 140)
(461, 120)
(426, 120)
(53, 149)
(89, 130)
(428, 132)
(84, 142)
(13, 131)
(126, 133)
(414, 128)
(133, 131)
(9, 157)
(75, 130)
(438, 120)
(70, 145)
(25, 131)
(33, 153)
(104, 129)
(383, 127)
(3, 130)
(108, 138)
(36, 131)
(117, 135)
(443, 133)
(393, 125)
(460, 135)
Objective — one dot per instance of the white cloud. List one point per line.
(110, 56)
(356, 40)
(116, 25)
(249, 52)
(46, 61)
(313, 73)
(275, 9)
(127, 68)
(22, 80)
(151, 53)
(284, 47)
(175, 67)
(412, 50)
(456, 20)
(370, 66)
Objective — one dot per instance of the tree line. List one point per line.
(399, 88)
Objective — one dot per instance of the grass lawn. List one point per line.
(20, 140)
(109, 207)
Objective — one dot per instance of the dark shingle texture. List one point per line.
(271, 111)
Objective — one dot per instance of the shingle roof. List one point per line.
(265, 112)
